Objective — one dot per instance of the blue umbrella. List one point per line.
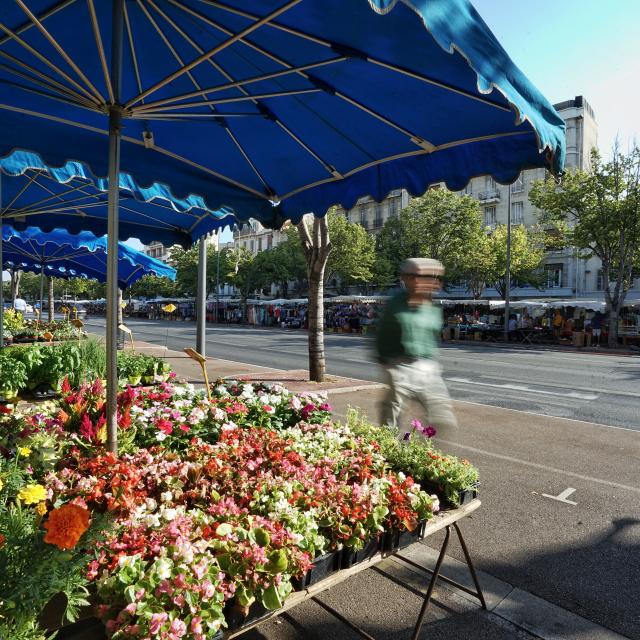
(64, 255)
(307, 103)
(34, 195)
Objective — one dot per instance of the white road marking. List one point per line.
(526, 388)
(562, 496)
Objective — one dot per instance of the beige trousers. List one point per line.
(421, 380)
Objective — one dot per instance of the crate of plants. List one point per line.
(455, 481)
(137, 369)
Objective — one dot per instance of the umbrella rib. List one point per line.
(30, 181)
(103, 59)
(150, 115)
(45, 94)
(161, 150)
(327, 166)
(327, 43)
(238, 83)
(261, 96)
(220, 70)
(416, 139)
(54, 43)
(49, 64)
(212, 52)
(47, 83)
(407, 154)
(134, 57)
(25, 26)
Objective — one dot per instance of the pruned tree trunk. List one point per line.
(16, 274)
(317, 247)
(51, 305)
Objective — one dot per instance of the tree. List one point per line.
(186, 263)
(353, 254)
(440, 225)
(152, 287)
(317, 247)
(527, 254)
(598, 212)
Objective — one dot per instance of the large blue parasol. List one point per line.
(64, 255)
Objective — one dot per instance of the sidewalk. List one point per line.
(513, 613)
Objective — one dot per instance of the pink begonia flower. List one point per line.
(196, 624)
(325, 406)
(178, 628)
(131, 608)
(295, 403)
(156, 622)
(416, 424)
(267, 408)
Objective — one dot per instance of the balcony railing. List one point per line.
(491, 194)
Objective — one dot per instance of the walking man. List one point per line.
(407, 343)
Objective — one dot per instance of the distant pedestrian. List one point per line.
(407, 343)
(596, 328)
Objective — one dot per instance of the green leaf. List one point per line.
(271, 598)
(224, 529)
(278, 562)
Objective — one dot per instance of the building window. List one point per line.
(259, 244)
(489, 183)
(394, 206)
(251, 246)
(468, 190)
(554, 275)
(518, 185)
(363, 215)
(600, 280)
(489, 216)
(517, 213)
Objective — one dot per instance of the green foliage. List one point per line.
(13, 321)
(353, 251)
(32, 571)
(13, 374)
(418, 458)
(186, 264)
(47, 365)
(440, 225)
(94, 362)
(598, 211)
(152, 287)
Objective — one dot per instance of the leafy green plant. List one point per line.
(445, 474)
(13, 375)
(32, 571)
(13, 321)
(94, 362)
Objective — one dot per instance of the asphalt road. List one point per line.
(595, 387)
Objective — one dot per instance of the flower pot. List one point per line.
(464, 495)
(237, 616)
(400, 538)
(148, 379)
(134, 381)
(350, 557)
(323, 566)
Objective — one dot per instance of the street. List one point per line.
(599, 388)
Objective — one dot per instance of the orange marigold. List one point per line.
(66, 525)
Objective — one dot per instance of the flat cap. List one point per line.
(422, 267)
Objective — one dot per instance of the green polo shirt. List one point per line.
(408, 332)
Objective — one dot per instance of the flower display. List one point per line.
(66, 525)
(212, 504)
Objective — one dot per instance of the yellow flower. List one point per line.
(1, 484)
(41, 509)
(32, 494)
(24, 451)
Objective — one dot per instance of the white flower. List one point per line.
(228, 426)
(160, 436)
(163, 568)
(167, 496)
(169, 514)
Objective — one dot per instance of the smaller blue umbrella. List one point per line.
(65, 255)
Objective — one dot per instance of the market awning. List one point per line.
(64, 255)
(35, 195)
(308, 103)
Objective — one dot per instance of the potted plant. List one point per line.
(136, 369)
(163, 369)
(13, 377)
(149, 370)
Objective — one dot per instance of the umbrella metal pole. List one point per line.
(507, 278)
(115, 118)
(201, 301)
(218, 280)
(1, 271)
(41, 291)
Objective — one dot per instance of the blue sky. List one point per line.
(577, 47)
